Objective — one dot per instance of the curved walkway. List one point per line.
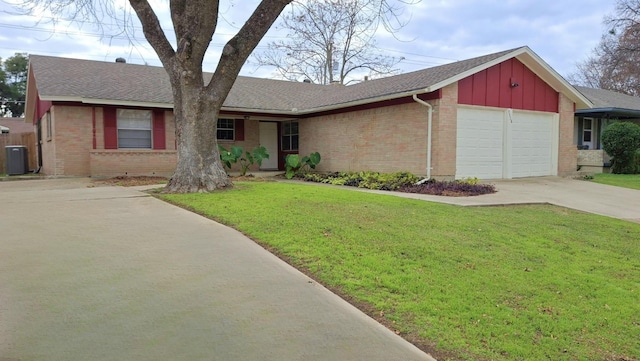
(110, 273)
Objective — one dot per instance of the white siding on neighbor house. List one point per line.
(503, 143)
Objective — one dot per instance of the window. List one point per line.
(49, 126)
(134, 128)
(587, 132)
(226, 129)
(290, 136)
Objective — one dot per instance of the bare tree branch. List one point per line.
(331, 40)
(615, 63)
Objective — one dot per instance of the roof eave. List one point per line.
(610, 110)
(116, 102)
(365, 101)
(549, 75)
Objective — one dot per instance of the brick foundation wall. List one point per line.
(386, 139)
(120, 162)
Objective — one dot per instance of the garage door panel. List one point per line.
(494, 144)
(532, 145)
(479, 143)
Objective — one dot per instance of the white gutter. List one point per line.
(429, 124)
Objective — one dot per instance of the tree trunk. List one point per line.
(199, 168)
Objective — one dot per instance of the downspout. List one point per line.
(429, 123)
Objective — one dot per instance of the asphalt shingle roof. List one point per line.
(609, 99)
(17, 125)
(87, 79)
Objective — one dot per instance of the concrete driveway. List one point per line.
(606, 200)
(109, 273)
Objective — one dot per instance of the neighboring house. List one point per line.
(15, 125)
(502, 115)
(608, 106)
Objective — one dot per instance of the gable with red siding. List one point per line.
(509, 84)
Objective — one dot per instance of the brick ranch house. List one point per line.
(502, 115)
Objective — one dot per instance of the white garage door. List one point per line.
(532, 145)
(497, 143)
(479, 143)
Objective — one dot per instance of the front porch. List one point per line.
(593, 161)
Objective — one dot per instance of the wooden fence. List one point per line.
(26, 139)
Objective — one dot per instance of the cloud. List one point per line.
(440, 31)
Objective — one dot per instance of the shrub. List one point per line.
(451, 189)
(621, 141)
(401, 181)
(294, 164)
(369, 180)
(246, 159)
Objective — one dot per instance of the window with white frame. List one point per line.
(226, 129)
(290, 136)
(134, 128)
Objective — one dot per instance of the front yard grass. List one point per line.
(487, 283)
(619, 180)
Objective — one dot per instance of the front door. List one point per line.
(269, 140)
(587, 132)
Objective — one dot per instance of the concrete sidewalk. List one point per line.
(109, 273)
(605, 200)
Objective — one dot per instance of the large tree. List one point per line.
(615, 62)
(13, 84)
(329, 40)
(196, 104)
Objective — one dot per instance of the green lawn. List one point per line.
(620, 180)
(487, 283)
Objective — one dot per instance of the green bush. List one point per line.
(402, 182)
(246, 159)
(294, 164)
(621, 141)
(369, 180)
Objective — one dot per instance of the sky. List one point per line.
(561, 32)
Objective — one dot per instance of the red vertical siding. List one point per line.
(506, 92)
(551, 102)
(479, 95)
(517, 77)
(239, 129)
(540, 94)
(465, 90)
(528, 89)
(110, 128)
(159, 141)
(493, 87)
(496, 87)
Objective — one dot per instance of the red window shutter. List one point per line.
(239, 129)
(158, 130)
(110, 128)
